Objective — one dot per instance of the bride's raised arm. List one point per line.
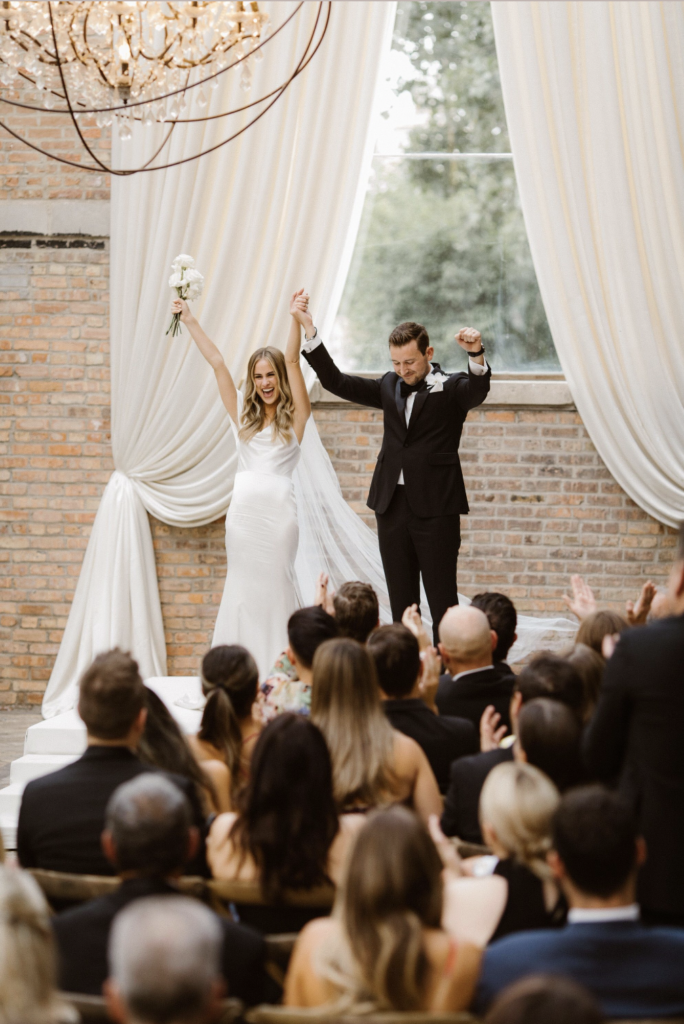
(299, 305)
(225, 382)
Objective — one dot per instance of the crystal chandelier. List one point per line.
(130, 60)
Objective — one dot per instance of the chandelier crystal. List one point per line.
(135, 60)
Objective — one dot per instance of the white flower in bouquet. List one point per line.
(188, 284)
(183, 262)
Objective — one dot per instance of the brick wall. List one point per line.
(542, 505)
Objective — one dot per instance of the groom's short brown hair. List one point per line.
(407, 332)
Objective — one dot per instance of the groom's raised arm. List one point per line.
(360, 390)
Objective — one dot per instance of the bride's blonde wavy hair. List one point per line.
(254, 412)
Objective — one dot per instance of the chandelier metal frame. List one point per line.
(74, 111)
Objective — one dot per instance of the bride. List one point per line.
(262, 533)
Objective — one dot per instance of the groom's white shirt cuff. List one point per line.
(311, 343)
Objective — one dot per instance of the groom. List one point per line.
(417, 491)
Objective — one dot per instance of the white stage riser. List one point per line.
(55, 742)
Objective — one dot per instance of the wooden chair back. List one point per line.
(93, 1009)
(61, 887)
(243, 891)
(292, 1015)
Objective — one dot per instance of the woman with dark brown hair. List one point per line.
(596, 627)
(373, 764)
(590, 665)
(229, 730)
(286, 833)
(384, 947)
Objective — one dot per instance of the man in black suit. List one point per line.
(633, 971)
(636, 736)
(148, 838)
(546, 676)
(417, 491)
(471, 683)
(62, 814)
(503, 620)
(165, 954)
(408, 700)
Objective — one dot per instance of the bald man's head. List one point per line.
(465, 637)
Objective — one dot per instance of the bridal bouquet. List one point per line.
(188, 283)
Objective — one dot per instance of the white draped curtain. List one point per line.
(594, 97)
(275, 210)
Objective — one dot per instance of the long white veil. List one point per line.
(335, 540)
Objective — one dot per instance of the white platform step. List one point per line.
(51, 744)
(32, 766)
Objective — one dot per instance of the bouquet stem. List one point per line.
(174, 327)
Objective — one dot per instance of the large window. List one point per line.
(442, 238)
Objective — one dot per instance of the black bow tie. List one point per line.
(411, 389)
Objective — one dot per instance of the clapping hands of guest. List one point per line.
(491, 733)
(638, 613)
(324, 598)
(582, 602)
(412, 620)
(429, 680)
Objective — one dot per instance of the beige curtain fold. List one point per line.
(594, 97)
(274, 210)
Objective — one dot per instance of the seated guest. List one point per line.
(597, 626)
(372, 763)
(549, 736)
(286, 834)
(356, 610)
(401, 675)
(635, 737)
(545, 676)
(503, 620)
(288, 687)
(545, 999)
(28, 967)
(590, 664)
(148, 838)
(229, 729)
(471, 683)
(632, 970)
(516, 808)
(385, 948)
(163, 745)
(165, 957)
(62, 814)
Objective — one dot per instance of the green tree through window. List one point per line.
(442, 238)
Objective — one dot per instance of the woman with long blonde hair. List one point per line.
(28, 959)
(373, 764)
(385, 947)
(262, 534)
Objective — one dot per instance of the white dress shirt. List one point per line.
(599, 915)
(477, 368)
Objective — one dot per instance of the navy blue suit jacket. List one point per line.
(632, 970)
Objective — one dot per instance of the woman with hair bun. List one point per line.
(229, 730)
(517, 804)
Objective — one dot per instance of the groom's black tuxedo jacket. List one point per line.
(426, 450)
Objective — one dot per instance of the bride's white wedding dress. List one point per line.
(262, 535)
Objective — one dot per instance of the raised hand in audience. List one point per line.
(582, 602)
(323, 598)
(638, 613)
(491, 733)
(429, 680)
(412, 620)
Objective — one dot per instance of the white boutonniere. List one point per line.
(435, 381)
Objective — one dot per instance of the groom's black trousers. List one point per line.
(411, 546)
